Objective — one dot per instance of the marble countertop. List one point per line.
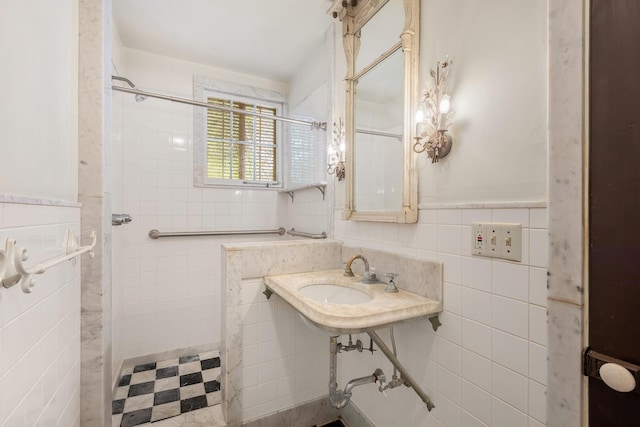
(383, 310)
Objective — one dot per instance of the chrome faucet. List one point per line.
(369, 277)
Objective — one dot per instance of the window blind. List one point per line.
(241, 147)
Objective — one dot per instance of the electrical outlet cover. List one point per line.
(479, 239)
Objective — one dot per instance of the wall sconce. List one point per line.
(434, 117)
(336, 151)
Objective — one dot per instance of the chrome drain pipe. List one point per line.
(338, 398)
(408, 379)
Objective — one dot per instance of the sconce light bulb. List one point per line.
(420, 115)
(331, 151)
(342, 147)
(445, 104)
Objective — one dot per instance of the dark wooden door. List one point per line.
(614, 201)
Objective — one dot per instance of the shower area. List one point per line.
(167, 288)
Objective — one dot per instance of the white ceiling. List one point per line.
(268, 38)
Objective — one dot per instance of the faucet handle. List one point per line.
(391, 286)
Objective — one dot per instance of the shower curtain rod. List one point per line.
(135, 91)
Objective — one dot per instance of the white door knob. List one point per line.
(617, 377)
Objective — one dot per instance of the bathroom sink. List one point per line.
(334, 294)
(344, 305)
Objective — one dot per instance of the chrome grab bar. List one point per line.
(293, 232)
(155, 234)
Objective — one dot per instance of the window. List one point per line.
(303, 154)
(237, 149)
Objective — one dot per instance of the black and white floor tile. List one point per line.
(159, 390)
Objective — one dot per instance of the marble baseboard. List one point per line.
(353, 417)
(311, 413)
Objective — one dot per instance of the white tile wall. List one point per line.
(40, 331)
(168, 291)
(284, 363)
(486, 366)
(170, 288)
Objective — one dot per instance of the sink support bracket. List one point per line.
(267, 292)
(435, 322)
(408, 379)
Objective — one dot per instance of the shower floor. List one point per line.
(155, 391)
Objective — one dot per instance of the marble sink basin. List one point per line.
(333, 294)
(343, 305)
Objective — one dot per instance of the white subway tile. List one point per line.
(538, 363)
(449, 239)
(538, 401)
(250, 355)
(249, 376)
(3, 361)
(425, 372)
(510, 316)
(476, 305)
(250, 334)
(476, 273)
(452, 267)
(449, 216)
(427, 237)
(268, 351)
(447, 412)
(448, 384)
(535, 423)
(267, 392)
(505, 415)
(538, 247)
(407, 234)
(476, 401)
(468, 420)
(267, 372)
(476, 369)
(267, 310)
(452, 298)
(466, 240)
(510, 280)
(450, 328)
(538, 324)
(475, 215)
(511, 352)
(476, 337)
(513, 216)
(510, 386)
(538, 286)
(448, 355)
(538, 218)
(428, 216)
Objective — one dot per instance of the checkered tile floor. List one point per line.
(159, 390)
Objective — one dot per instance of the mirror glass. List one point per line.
(380, 33)
(381, 41)
(378, 137)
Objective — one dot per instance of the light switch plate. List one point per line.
(497, 240)
(510, 242)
